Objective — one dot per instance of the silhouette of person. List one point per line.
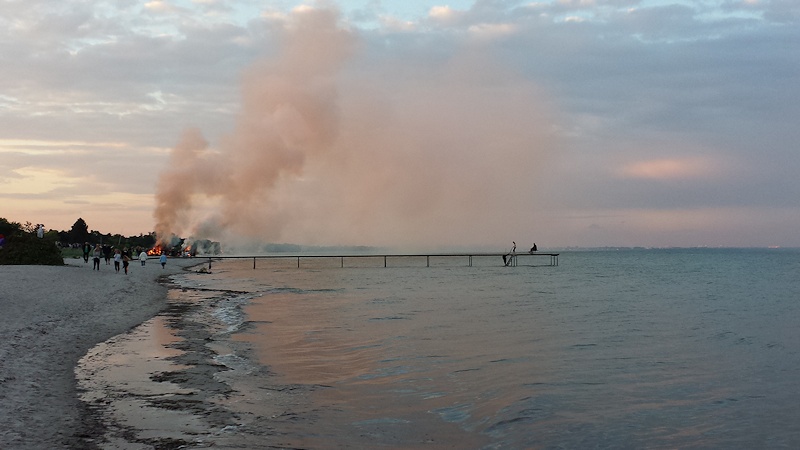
(509, 257)
(117, 259)
(107, 253)
(96, 254)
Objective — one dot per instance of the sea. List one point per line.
(610, 348)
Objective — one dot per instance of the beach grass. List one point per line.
(71, 253)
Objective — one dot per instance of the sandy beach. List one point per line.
(51, 316)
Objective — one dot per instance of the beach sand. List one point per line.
(51, 316)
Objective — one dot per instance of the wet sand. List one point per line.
(51, 316)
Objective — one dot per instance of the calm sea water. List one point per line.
(683, 348)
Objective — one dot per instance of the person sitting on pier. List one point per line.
(533, 249)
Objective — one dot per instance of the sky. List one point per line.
(413, 124)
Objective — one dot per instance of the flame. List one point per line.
(156, 250)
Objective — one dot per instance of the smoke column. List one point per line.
(335, 146)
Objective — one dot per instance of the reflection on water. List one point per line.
(649, 348)
(147, 349)
(117, 375)
(642, 348)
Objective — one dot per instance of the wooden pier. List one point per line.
(507, 259)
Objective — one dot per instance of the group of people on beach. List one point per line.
(121, 257)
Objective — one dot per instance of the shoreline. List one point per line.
(52, 316)
(179, 380)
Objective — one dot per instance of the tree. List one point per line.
(79, 233)
(8, 228)
(144, 241)
(22, 246)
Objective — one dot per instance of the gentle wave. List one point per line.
(613, 349)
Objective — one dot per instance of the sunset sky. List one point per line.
(408, 123)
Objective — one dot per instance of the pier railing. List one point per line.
(507, 259)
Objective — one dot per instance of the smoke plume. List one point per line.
(337, 145)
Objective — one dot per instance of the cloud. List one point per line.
(445, 14)
(670, 168)
(645, 108)
(394, 25)
(159, 6)
(492, 31)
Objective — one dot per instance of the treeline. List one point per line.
(27, 244)
(19, 244)
(79, 234)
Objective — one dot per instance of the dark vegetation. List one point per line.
(21, 245)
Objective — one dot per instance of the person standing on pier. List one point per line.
(507, 258)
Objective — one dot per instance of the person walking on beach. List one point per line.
(117, 259)
(107, 253)
(143, 257)
(163, 260)
(86, 250)
(125, 261)
(98, 252)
